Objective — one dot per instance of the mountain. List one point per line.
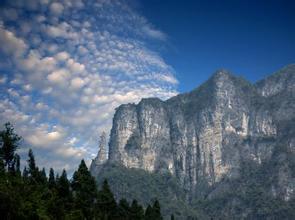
(224, 136)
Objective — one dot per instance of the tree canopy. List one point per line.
(31, 195)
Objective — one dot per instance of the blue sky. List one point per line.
(66, 65)
(249, 37)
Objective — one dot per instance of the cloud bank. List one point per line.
(66, 65)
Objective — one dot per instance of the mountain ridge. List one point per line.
(206, 136)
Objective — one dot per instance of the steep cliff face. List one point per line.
(204, 136)
(102, 155)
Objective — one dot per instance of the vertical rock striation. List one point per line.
(203, 136)
(102, 155)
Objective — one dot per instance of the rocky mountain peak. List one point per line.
(221, 74)
(206, 135)
(102, 154)
(280, 81)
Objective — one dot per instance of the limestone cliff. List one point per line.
(204, 136)
(102, 155)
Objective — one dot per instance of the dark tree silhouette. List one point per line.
(9, 142)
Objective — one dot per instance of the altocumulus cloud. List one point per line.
(66, 65)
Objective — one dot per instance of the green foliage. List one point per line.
(31, 195)
(63, 186)
(124, 209)
(9, 142)
(51, 179)
(106, 201)
(153, 212)
(157, 211)
(84, 189)
(136, 211)
(32, 165)
(148, 213)
(17, 163)
(145, 187)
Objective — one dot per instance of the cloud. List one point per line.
(9, 14)
(62, 56)
(11, 45)
(59, 76)
(56, 8)
(153, 33)
(77, 83)
(69, 68)
(3, 79)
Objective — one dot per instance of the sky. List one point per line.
(66, 65)
(250, 38)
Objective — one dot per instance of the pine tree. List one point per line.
(157, 211)
(2, 167)
(17, 164)
(42, 178)
(123, 209)
(106, 202)
(9, 142)
(148, 213)
(25, 173)
(63, 199)
(33, 170)
(84, 189)
(63, 185)
(136, 211)
(51, 180)
(172, 217)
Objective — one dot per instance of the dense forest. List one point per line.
(31, 194)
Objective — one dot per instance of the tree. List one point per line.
(2, 168)
(106, 203)
(84, 190)
(153, 212)
(148, 213)
(25, 173)
(157, 211)
(9, 143)
(42, 178)
(136, 211)
(51, 179)
(63, 186)
(32, 165)
(17, 163)
(61, 198)
(123, 209)
(172, 217)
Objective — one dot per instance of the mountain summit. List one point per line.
(206, 136)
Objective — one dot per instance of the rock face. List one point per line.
(203, 136)
(102, 155)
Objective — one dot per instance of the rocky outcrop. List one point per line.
(102, 154)
(203, 136)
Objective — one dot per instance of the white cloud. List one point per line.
(77, 83)
(59, 76)
(153, 33)
(168, 78)
(56, 8)
(42, 138)
(75, 66)
(3, 79)
(82, 50)
(11, 45)
(62, 56)
(68, 77)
